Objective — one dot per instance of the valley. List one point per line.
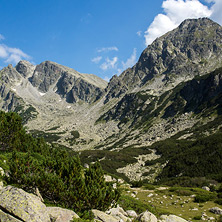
(158, 123)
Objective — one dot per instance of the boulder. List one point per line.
(101, 216)
(131, 213)
(2, 172)
(147, 217)
(58, 214)
(108, 178)
(119, 214)
(216, 210)
(23, 206)
(206, 188)
(7, 217)
(172, 218)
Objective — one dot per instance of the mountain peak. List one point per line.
(197, 22)
(25, 68)
(193, 48)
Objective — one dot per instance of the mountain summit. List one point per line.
(194, 48)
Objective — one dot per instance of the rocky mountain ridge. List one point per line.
(172, 88)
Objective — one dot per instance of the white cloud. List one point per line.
(12, 55)
(139, 33)
(216, 11)
(2, 37)
(3, 52)
(175, 12)
(108, 49)
(97, 59)
(109, 63)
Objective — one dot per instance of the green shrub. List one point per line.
(197, 218)
(138, 183)
(218, 201)
(130, 203)
(149, 186)
(201, 198)
(75, 134)
(57, 173)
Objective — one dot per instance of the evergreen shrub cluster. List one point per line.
(59, 176)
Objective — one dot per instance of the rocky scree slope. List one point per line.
(50, 95)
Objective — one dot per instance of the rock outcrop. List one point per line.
(216, 210)
(16, 205)
(22, 206)
(147, 217)
(171, 218)
(58, 214)
(101, 216)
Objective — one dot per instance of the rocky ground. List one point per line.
(17, 205)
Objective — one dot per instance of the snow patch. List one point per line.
(13, 89)
(41, 94)
(68, 107)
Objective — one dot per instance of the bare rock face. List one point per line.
(18, 205)
(45, 75)
(68, 83)
(75, 88)
(194, 48)
(25, 68)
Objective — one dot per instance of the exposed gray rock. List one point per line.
(206, 188)
(216, 210)
(118, 213)
(171, 218)
(101, 216)
(147, 217)
(4, 217)
(131, 213)
(58, 214)
(23, 206)
(2, 172)
(25, 68)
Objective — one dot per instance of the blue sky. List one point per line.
(92, 36)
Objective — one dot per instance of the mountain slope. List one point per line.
(173, 90)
